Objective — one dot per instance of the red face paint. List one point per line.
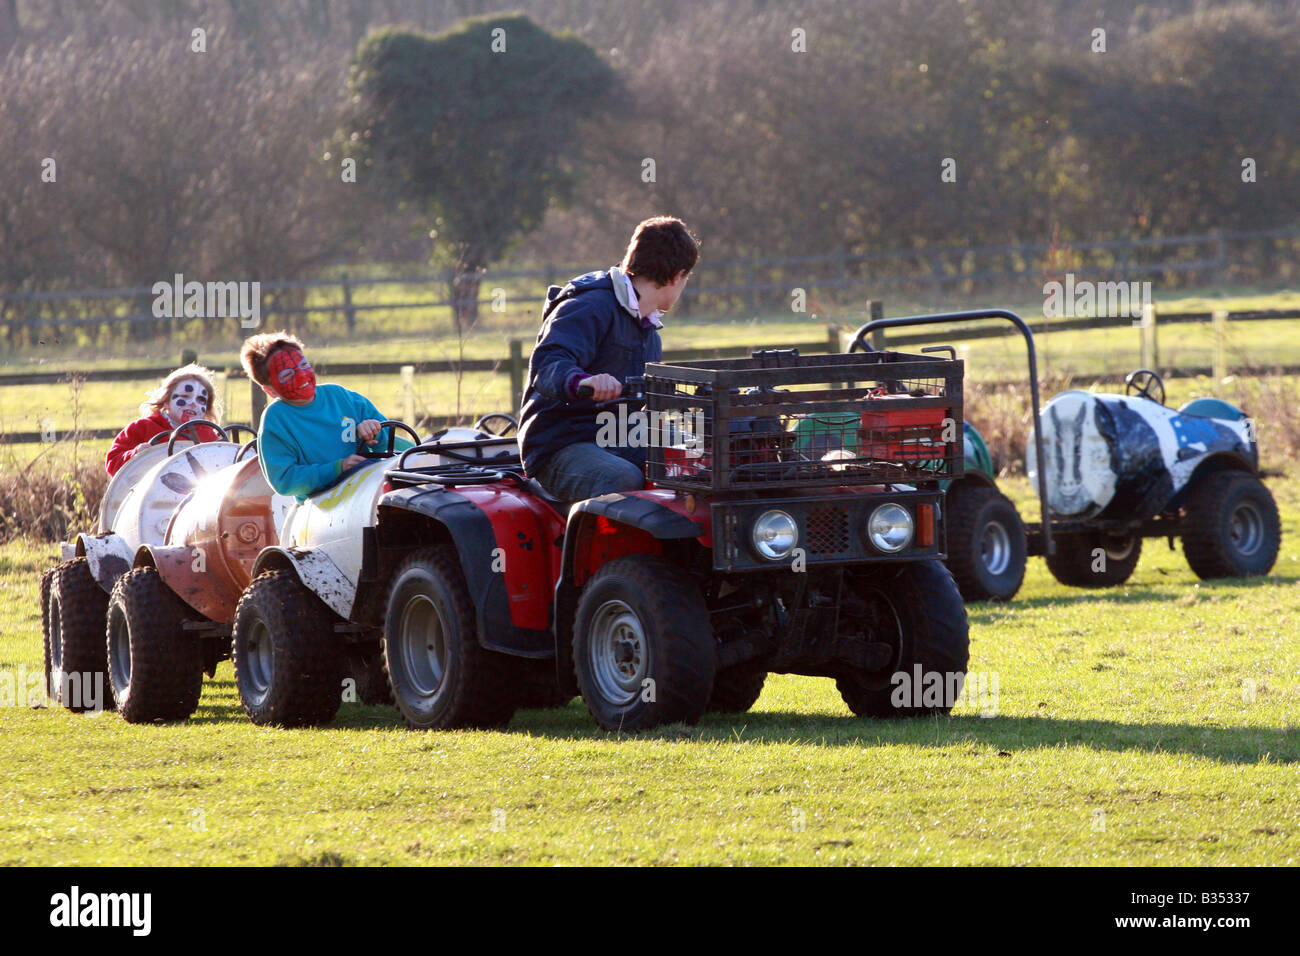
(292, 376)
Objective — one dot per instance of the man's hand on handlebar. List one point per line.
(603, 388)
(368, 431)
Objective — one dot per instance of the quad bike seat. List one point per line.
(559, 504)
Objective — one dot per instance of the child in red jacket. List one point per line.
(186, 394)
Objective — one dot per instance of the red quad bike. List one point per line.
(744, 555)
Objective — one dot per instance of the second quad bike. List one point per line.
(1117, 469)
(746, 553)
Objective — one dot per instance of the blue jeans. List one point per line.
(585, 470)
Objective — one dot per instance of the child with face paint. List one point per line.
(187, 394)
(311, 434)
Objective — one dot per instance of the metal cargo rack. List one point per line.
(782, 420)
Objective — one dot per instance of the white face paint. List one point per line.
(188, 400)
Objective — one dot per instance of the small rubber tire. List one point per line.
(986, 543)
(289, 661)
(657, 615)
(77, 610)
(441, 677)
(47, 582)
(155, 666)
(369, 679)
(930, 632)
(737, 688)
(1231, 527)
(1073, 563)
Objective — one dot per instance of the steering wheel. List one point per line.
(193, 423)
(364, 449)
(510, 424)
(250, 444)
(1145, 383)
(234, 428)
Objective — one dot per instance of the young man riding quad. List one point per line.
(597, 331)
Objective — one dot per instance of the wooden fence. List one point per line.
(515, 363)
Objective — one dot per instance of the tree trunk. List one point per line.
(464, 296)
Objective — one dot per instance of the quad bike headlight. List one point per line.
(774, 534)
(890, 528)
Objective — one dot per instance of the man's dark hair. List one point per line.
(660, 248)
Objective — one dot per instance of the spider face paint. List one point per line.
(188, 401)
(292, 376)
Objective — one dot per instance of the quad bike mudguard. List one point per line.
(472, 530)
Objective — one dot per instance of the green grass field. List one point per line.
(1151, 724)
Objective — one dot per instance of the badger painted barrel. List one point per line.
(1122, 457)
(218, 533)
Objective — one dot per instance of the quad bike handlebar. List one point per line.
(633, 390)
(860, 343)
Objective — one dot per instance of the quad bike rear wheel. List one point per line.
(289, 661)
(155, 666)
(440, 675)
(75, 642)
(1231, 527)
(919, 612)
(1094, 559)
(986, 543)
(643, 648)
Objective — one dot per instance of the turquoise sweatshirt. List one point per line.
(302, 447)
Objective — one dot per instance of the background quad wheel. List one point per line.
(76, 662)
(289, 662)
(539, 688)
(155, 666)
(643, 648)
(1077, 564)
(440, 675)
(919, 611)
(1231, 527)
(737, 688)
(986, 543)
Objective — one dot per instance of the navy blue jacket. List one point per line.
(585, 329)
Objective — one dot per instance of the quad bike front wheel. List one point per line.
(289, 662)
(75, 659)
(155, 666)
(643, 648)
(986, 543)
(1094, 559)
(440, 675)
(917, 611)
(1231, 528)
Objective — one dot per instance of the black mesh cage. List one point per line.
(781, 420)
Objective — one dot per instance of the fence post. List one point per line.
(833, 345)
(1220, 319)
(349, 313)
(517, 372)
(751, 280)
(189, 356)
(408, 394)
(258, 398)
(1150, 352)
(876, 310)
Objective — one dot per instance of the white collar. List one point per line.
(634, 304)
